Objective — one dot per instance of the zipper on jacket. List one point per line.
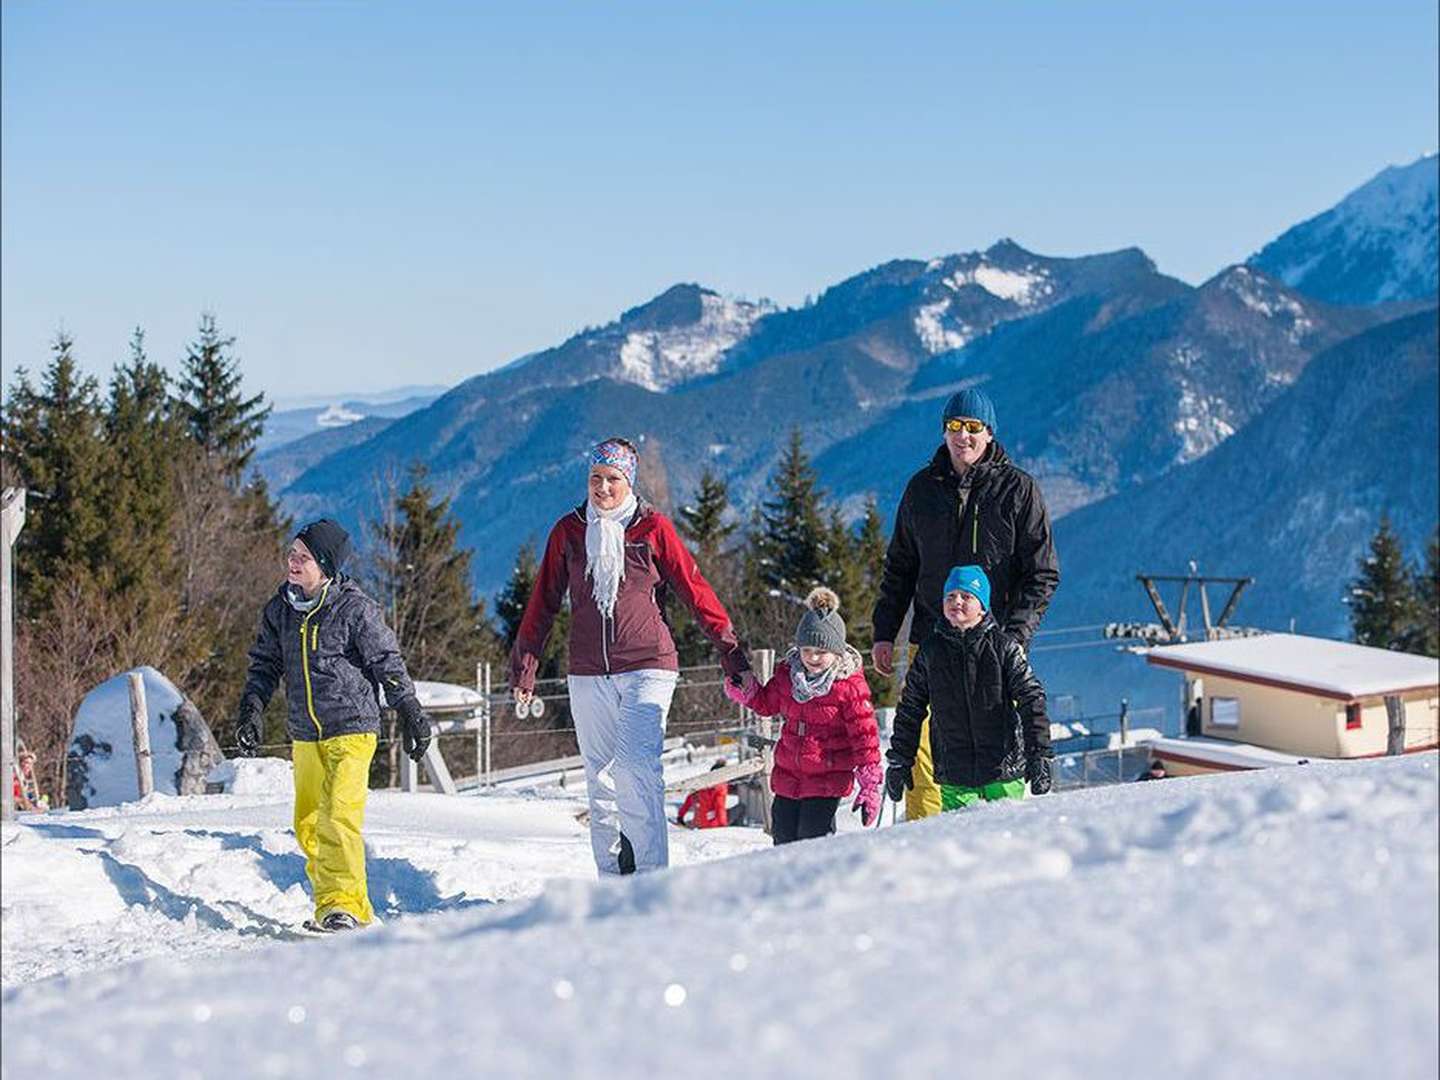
(305, 650)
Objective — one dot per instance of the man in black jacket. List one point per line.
(329, 642)
(988, 729)
(970, 505)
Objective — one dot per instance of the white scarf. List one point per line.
(605, 551)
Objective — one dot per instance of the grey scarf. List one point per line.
(806, 687)
(300, 602)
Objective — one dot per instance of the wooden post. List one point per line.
(489, 727)
(480, 732)
(140, 734)
(765, 664)
(12, 519)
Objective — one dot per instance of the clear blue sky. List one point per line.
(375, 194)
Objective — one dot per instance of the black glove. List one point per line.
(897, 781)
(248, 728)
(414, 728)
(1037, 771)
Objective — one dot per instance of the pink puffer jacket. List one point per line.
(824, 740)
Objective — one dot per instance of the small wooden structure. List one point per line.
(1298, 697)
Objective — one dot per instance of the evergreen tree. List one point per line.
(425, 580)
(146, 440)
(790, 550)
(223, 422)
(1426, 639)
(52, 442)
(510, 610)
(703, 524)
(1383, 606)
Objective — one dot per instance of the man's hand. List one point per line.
(883, 653)
(248, 729)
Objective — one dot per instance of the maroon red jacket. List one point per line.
(636, 636)
(824, 740)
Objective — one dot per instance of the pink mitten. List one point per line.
(868, 801)
(736, 693)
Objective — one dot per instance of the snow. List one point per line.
(1023, 288)
(934, 335)
(659, 359)
(104, 716)
(447, 696)
(1200, 423)
(1322, 666)
(1258, 296)
(337, 416)
(1278, 923)
(1380, 241)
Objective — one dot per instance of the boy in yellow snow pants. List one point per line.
(328, 642)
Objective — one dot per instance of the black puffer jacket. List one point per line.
(987, 709)
(334, 660)
(1004, 528)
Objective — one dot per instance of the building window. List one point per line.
(1352, 716)
(1225, 712)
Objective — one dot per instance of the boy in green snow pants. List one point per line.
(989, 732)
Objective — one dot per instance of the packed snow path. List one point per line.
(1276, 923)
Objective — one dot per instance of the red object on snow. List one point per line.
(709, 807)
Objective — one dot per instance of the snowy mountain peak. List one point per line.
(681, 335)
(1264, 296)
(1377, 244)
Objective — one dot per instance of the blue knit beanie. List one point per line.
(969, 579)
(972, 403)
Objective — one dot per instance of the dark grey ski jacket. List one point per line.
(334, 659)
(1000, 525)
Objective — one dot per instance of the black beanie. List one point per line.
(328, 542)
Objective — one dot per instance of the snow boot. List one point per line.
(340, 920)
(627, 855)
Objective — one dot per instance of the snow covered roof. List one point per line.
(1310, 665)
(442, 697)
(1221, 752)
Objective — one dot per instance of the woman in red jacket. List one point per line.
(829, 741)
(616, 556)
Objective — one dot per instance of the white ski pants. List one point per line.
(620, 724)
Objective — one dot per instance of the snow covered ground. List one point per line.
(1274, 923)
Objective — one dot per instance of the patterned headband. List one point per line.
(618, 456)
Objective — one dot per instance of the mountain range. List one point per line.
(1116, 385)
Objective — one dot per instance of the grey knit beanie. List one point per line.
(821, 626)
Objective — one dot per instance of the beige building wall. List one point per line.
(1298, 723)
(1276, 719)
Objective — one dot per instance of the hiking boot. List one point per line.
(340, 920)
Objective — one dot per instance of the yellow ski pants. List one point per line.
(332, 779)
(923, 800)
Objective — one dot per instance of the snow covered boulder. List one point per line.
(101, 766)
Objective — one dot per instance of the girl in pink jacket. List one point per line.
(829, 741)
